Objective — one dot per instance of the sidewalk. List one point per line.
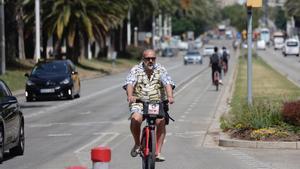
(223, 139)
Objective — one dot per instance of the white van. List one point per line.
(291, 47)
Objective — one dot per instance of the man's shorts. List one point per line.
(136, 108)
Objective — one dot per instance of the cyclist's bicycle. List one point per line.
(225, 67)
(216, 79)
(152, 111)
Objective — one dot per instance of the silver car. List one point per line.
(193, 57)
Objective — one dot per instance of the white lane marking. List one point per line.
(110, 139)
(85, 113)
(60, 135)
(183, 116)
(73, 102)
(79, 124)
(89, 144)
(119, 143)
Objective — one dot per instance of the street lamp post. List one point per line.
(37, 31)
(2, 38)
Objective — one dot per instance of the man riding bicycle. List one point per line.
(148, 81)
(215, 64)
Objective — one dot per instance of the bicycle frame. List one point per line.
(148, 140)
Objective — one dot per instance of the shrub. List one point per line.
(291, 112)
(134, 52)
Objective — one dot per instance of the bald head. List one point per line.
(149, 53)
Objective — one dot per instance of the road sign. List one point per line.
(254, 3)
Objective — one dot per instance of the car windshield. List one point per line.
(194, 53)
(292, 44)
(209, 48)
(50, 68)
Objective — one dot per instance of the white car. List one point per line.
(261, 45)
(291, 47)
(208, 50)
(183, 45)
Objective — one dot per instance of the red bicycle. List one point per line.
(152, 111)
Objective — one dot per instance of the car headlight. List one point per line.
(66, 81)
(29, 83)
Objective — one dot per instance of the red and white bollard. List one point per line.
(101, 157)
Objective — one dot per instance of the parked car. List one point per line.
(193, 57)
(291, 47)
(168, 52)
(12, 135)
(53, 78)
(261, 45)
(208, 50)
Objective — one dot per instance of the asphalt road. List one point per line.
(62, 133)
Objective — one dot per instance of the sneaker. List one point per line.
(220, 81)
(159, 158)
(135, 151)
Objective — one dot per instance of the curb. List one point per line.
(225, 141)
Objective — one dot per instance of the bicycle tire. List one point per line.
(145, 163)
(152, 148)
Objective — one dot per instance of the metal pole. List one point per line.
(249, 65)
(2, 38)
(153, 32)
(37, 31)
(129, 28)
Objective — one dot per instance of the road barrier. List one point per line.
(101, 157)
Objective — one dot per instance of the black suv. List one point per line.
(11, 123)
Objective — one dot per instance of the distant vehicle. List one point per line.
(52, 78)
(278, 40)
(168, 52)
(261, 45)
(190, 35)
(229, 34)
(193, 57)
(198, 43)
(291, 47)
(208, 50)
(12, 135)
(265, 35)
(183, 45)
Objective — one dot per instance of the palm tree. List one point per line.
(292, 7)
(82, 21)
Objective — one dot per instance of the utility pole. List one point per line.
(2, 38)
(250, 4)
(249, 64)
(37, 31)
(266, 2)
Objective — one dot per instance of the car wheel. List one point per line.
(29, 99)
(19, 149)
(1, 144)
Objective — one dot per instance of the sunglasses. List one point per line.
(150, 58)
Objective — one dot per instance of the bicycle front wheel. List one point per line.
(149, 158)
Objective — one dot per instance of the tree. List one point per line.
(292, 7)
(78, 22)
